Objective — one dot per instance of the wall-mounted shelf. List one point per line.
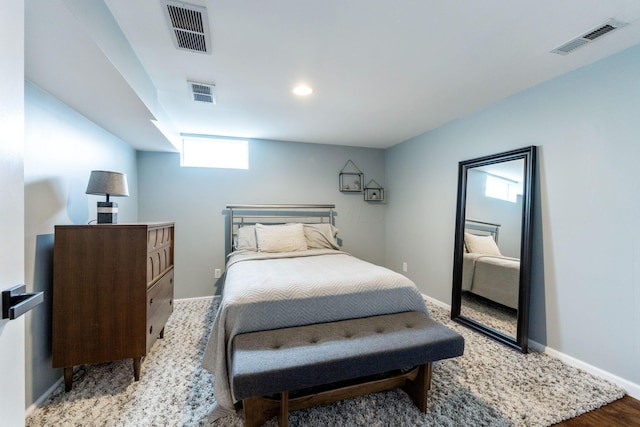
(373, 192)
(351, 178)
(15, 302)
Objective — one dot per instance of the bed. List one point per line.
(286, 269)
(485, 271)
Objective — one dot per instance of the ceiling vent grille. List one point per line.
(189, 26)
(588, 37)
(203, 92)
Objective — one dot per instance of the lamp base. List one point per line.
(107, 213)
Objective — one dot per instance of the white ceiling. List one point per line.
(383, 71)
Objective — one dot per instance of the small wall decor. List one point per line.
(373, 192)
(351, 178)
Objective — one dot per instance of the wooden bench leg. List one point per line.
(136, 367)
(68, 378)
(283, 415)
(418, 388)
(258, 410)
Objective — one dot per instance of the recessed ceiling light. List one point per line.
(302, 90)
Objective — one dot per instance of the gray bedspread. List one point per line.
(270, 291)
(493, 277)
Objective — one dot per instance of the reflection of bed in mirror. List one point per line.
(486, 272)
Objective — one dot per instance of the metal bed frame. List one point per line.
(244, 215)
(483, 228)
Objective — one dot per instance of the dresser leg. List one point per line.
(162, 333)
(68, 378)
(136, 368)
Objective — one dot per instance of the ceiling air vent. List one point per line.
(203, 92)
(189, 26)
(588, 37)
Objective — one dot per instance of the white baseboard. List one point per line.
(42, 398)
(195, 298)
(437, 302)
(631, 388)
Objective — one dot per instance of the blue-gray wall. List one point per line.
(61, 149)
(586, 278)
(279, 172)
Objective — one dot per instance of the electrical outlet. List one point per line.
(217, 273)
(404, 267)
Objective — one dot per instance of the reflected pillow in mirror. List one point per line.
(481, 244)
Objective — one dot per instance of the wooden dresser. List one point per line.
(112, 292)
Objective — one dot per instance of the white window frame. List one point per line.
(503, 189)
(214, 152)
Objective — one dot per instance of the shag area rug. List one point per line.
(491, 385)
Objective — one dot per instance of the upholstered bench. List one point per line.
(268, 366)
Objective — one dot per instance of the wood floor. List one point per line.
(623, 412)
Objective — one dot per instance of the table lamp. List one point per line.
(109, 184)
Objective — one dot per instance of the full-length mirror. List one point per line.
(492, 259)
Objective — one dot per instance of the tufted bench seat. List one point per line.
(276, 362)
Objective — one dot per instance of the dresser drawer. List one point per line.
(158, 262)
(159, 237)
(159, 306)
(159, 252)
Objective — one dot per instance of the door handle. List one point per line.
(16, 302)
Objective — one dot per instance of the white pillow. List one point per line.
(280, 238)
(321, 236)
(481, 244)
(247, 238)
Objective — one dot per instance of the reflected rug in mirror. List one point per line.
(491, 385)
(488, 313)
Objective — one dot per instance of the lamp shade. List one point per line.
(109, 183)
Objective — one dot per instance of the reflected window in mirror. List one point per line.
(502, 189)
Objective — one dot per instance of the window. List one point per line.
(206, 152)
(503, 189)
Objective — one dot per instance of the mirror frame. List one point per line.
(521, 341)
